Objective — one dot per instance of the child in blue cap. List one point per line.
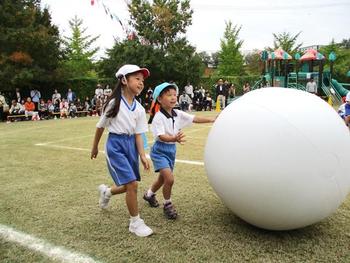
(166, 128)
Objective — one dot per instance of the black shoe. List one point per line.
(151, 200)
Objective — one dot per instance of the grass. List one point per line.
(50, 192)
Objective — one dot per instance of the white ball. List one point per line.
(279, 158)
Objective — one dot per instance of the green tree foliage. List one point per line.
(287, 42)
(253, 63)
(162, 22)
(158, 43)
(79, 51)
(29, 44)
(342, 63)
(230, 58)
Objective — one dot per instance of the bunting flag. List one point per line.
(112, 15)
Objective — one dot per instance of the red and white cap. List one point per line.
(128, 69)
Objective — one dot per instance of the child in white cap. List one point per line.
(125, 119)
(166, 128)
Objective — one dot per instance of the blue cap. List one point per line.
(160, 88)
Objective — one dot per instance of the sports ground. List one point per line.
(49, 207)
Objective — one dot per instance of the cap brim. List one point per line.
(145, 72)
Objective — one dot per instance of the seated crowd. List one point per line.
(57, 106)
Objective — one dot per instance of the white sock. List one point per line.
(149, 193)
(133, 219)
(108, 192)
(167, 201)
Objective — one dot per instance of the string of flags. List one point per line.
(129, 33)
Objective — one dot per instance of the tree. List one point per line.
(342, 62)
(162, 22)
(253, 62)
(29, 44)
(230, 58)
(158, 43)
(287, 42)
(79, 53)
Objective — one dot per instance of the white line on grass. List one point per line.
(53, 252)
(87, 150)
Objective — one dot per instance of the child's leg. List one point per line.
(168, 179)
(118, 189)
(157, 184)
(131, 198)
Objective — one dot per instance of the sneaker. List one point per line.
(139, 228)
(104, 198)
(169, 211)
(151, 200)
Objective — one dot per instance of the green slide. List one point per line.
(339, 88)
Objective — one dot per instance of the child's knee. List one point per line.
(169, 180)
(131, 187)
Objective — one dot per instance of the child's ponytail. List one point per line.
(117, 95)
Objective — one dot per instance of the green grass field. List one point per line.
(49, 190)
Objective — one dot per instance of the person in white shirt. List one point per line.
(189, 90)
(311, 86)
(125, 119)
(166, 129)
(99, 91)
(36, 96)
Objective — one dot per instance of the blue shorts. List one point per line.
(347, 109)
(122, 158)
(163, 155)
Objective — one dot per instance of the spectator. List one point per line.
(189, 90)
(148, 99)
(184, 101)
(311, 86)
(29, 108)
(79, 105)
(72, 110)
(71, 97)
(16, 108)
(107, 92)
(99, 91)
(87, 104)
(56, 97)
(18, 96)
(64, 109)
(50, 107)
(98, 106)
(3, 106)
(208, 102)
(232, 91)
(246, 88)
(43, 111)
(35, 96)
(220, 93)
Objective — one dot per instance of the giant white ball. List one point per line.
(279, 158)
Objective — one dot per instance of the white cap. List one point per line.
(128, 69)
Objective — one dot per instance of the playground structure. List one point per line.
(280, 71)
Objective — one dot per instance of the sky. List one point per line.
(319, 21)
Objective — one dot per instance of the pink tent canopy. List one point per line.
(311, 54)
(280, 54)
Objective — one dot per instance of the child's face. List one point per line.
(168, 99)
(135, 83)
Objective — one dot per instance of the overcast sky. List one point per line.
(318, 20)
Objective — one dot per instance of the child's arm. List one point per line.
(180, 137)
(94, 150)
(201, 119)
(141, 151)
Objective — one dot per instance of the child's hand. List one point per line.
(145, 162)
(94, 153)
(180, 137)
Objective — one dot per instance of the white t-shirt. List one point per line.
(131, 119)
(311, 87)
(170, 125)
